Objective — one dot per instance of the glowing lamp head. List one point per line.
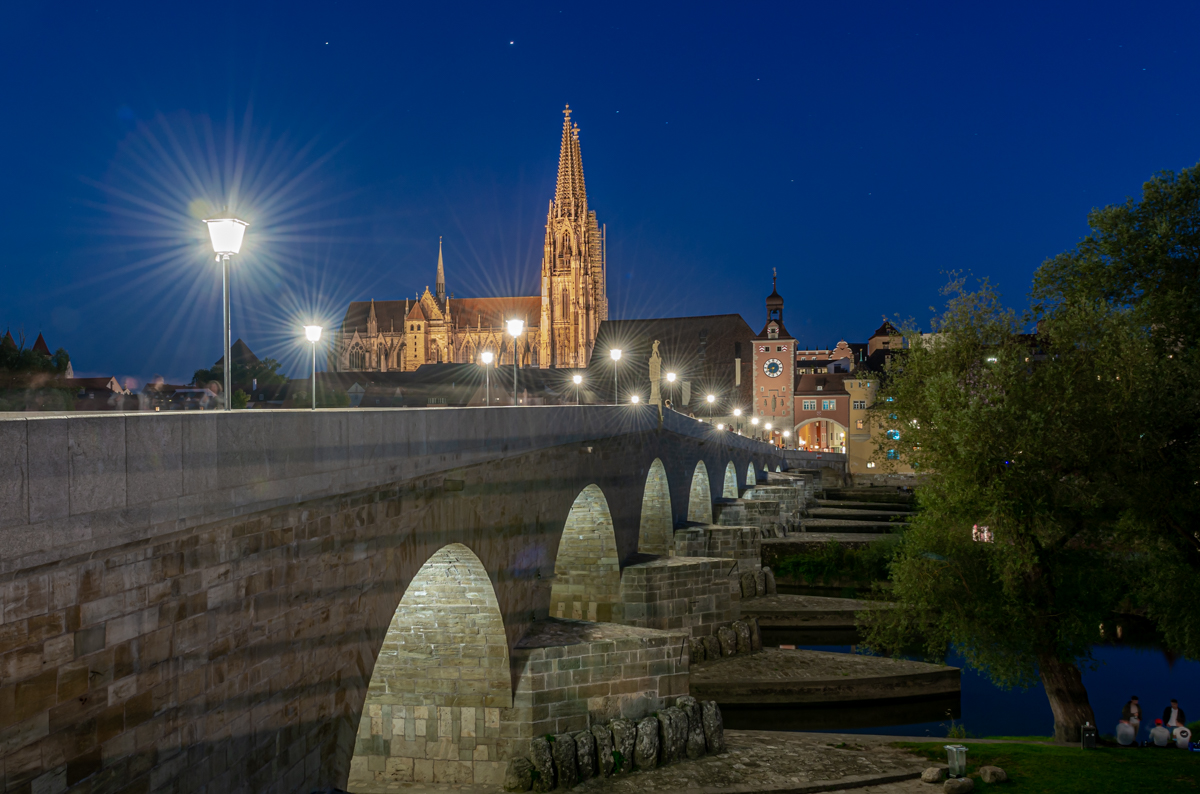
(615, 354)
(786, 434)
(767, 425)
(720, 427)
(754, 421)
(487, 357)
(711, 399)
(737, 411)
(515, 327)
(635, 399)
(670, 377)
(578, 379)
(226, 233)
(312, 333)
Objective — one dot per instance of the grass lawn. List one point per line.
(1056, 769)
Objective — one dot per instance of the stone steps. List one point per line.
(874, 495)
(810, 525)
(786, 611)
(897, 508)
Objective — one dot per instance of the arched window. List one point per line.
(358, 357)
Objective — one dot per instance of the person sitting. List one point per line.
(1173, 716)
(1159, 734)
(1131, 715)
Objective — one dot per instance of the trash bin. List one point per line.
(956, 757)
(1088, 736)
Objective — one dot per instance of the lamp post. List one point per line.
(671, 384)
(313, 334)
(710, 399)
(635, 399)
(786, 435)
(737, 413)
(577, 379)
(226, 233)
(486, 357)
(754, 421)
(615, 355)
(515, 327)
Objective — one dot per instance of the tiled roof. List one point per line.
(699, 349)
(464, 313)
(829, 382)
(240, 353)
(40, 346)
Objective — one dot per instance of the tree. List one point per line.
(1023, 436)
(265, 372)
(1140, 268)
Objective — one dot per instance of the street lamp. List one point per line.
(737, 412)
(313, 334)
(634, 399)
(515, 327)
(754, 421)
(615, 355)
(711, 399)
(786, 435)
(671, 380)
(226, 233)
(486, 357)
(577, 379)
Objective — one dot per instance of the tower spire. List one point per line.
(569, 194)
(441, 274)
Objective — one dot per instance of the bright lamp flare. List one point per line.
(670, 377)
(578, 379)
(737, 411)
(615, 354)
(312, 333)
(515, 327)
(711, 398)
(634, 399)
(486, 357)
(754, 421)
(226, 233)
(767, 425)
(721, 427)
(786, 434)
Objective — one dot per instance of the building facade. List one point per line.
(560, 324)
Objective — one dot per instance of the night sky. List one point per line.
(860, 149)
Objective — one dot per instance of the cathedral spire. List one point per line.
(570, 198)
(441, 275)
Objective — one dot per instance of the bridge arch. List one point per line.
(730, 488)
(700, 496)
(751, 476)
(442, 670)
(587, 569)
(656, 529)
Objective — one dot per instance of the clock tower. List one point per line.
(774, 370)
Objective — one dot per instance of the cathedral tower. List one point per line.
(574, 295)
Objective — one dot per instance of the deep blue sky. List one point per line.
(860, 149)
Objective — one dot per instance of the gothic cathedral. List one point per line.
(560, 324)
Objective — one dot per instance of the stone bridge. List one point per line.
(264, 600)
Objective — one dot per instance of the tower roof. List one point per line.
(440, 286)
(8, 340)
(570, 195)
(40, 346)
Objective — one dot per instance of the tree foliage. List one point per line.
(241, 376)
(1076, 447)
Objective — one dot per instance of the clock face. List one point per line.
(773, 368)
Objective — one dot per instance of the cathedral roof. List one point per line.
(415, 313)
(493, 312)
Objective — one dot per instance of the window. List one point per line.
(860, 405)
(828, 405)
(810, 405)
(860, 424)
(893, 455)
(781, 349)
(820, 388)
(894, 435)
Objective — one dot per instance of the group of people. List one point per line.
(1171, 727)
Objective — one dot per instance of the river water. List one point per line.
(984, 709)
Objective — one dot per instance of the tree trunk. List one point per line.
(1068, 697)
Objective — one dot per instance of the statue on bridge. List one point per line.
(655, 376)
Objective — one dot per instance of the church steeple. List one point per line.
(440, 287)
(372, 321)
(570, 195)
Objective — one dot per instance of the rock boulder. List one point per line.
(696, 652)
(769, 581)
(603, 738)
(755, 634)
(624, 737)
(585, 754)
(695, 736)
(934, 774)
(992, 774)
(542, 759)
(728, 641)
(519, 776)
(714, 727)
(747, 582)
(563, 748)
(645, 750)
(958, 785)
(712, 647)
(741, 631)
